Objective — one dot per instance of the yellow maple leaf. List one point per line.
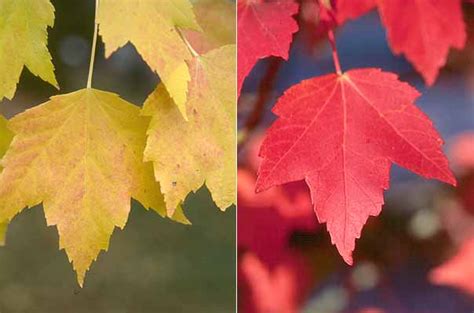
(81, 154)
(202, 150)
(151, 26)
(217, 20)
(6, 137)
(23, 42)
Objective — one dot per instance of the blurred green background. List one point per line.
(153, 265)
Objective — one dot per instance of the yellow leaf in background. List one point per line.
(151, 27)
(217, 19)
(202, 150)
(23, 42)
(81, 154)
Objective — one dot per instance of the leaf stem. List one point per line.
(94, 44)
(190, 48)
(335, 56)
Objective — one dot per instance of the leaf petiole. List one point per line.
(190, 48)
(335, 56)
(94, 44)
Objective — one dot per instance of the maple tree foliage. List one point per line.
(268, 219)
(101, 168)
(421, 30)
(23, 40)
(272, 276)
(210, 13)
(265, 28)
(341, 132)
(278, 289)
(459, 269)
(82, 154)
(205, 144)
(424, 31)
(153, 28)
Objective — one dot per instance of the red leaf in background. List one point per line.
(265, 28)
(462, 151)
(350, 9)
(281, 289)
(267, 220)
(341, 133)
(424, 31)
(339, 11)
(318, 17)
(459, 271)
(462, 155)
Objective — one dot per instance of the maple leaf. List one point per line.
(462, 157)
(6, 137)
(264, 29)
(210, 13)
(462, 151)
(319, 17)
(458, 271)
(341, 133)
(424, 31)
(187, 154)
(23, 40)
(151, 26)
(81, 155)
(268, 219)
(281, 289)
(349, 9)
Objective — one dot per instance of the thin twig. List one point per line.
(264, 93)
(94, 44)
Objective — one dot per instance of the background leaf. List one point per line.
(151, 26)
(23, 42)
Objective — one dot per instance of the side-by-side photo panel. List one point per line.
(118, 156)
(355, 156)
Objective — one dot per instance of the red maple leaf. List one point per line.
(424, 31)
(350, 9)
(265, 28)
(279, 289)
(462, 151)
(318, 17)
(462, 156)
(341, 133)
(458, 271)
(337, 12)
